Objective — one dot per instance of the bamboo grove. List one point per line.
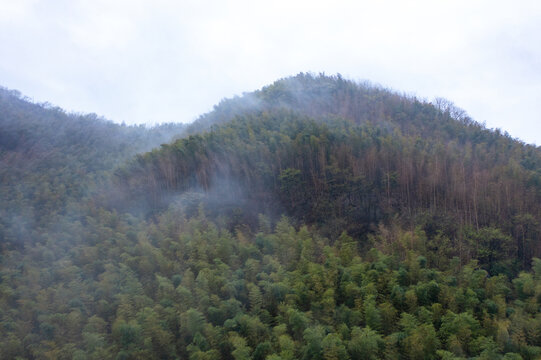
(316, 218)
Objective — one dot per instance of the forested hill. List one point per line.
(345, 156)
(42, 135)
(316, 218)
(49, 159)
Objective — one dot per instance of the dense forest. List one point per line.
(316, 218)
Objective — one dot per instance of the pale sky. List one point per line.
(159, 61)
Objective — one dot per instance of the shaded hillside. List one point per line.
(49, 159)
(339, 155)
(42, 135)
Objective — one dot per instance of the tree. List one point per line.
(333, 348)
(422, 342)
(493, 248)
(365, 343)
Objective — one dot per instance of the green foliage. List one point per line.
(422, 342)
(365, 344)
(332, 221)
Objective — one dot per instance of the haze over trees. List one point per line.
(316, 218)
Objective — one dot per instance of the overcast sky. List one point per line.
(156, 61)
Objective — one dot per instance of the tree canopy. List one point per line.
(316, 218)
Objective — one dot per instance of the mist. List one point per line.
(291, 220)
(482, 55)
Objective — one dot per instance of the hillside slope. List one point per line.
(343, 156)
(50, 159)
(315, 218)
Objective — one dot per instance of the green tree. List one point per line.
(333, 348)
(422, 342)
(365, 343)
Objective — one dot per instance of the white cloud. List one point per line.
(153, 61)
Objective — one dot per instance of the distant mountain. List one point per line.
(49, 158)
(40, 132)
